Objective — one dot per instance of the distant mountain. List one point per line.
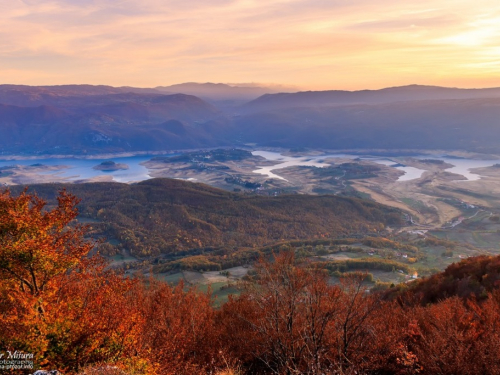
(387, 95)
(466, 124)
(146, 107)
(90, 119)
(32, 96)
(221, 94)
(45, 130)
(408, 117)
(100, 119)
(145, 104)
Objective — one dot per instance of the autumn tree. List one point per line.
(179, 333)
(456, 336)
(38, 245)
(294, 321)
(37, 249)
(57, 301)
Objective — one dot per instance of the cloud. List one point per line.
(311, 43)
(410, 21)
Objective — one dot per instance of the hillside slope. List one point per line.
(386, 95)
(455, 124)
(163, 215)
(101, 119)
(86, 119)
(470, 278)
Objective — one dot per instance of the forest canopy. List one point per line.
(161, 216)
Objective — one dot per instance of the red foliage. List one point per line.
(63, 305)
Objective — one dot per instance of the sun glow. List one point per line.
(477, 36)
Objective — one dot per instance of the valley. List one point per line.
(424, 159)
(439, 217)
(250, 187)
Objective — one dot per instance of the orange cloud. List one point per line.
(314, 44)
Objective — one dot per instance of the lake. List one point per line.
(74, 169)
(410, 173)
(463, 166)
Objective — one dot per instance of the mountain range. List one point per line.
(77, 119)
(223, 93)
(81, 119)
(387, 95)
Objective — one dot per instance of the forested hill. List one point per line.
(164, 215)
(473, 277)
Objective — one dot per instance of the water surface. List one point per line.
(74, 169)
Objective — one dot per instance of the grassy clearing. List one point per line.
(416, 204)
(487, 239)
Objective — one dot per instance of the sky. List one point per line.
(309, 44)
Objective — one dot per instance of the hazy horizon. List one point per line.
(271, 86)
